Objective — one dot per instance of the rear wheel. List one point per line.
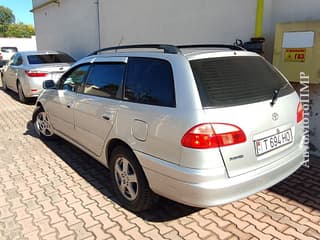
(42, 124)
(130, 184)
(22, 97)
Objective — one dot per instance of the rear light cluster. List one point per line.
(32, 73)
(213, 135)
(300, 112)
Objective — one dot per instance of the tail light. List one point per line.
(213, 135)
(300, 113)
(32, 73)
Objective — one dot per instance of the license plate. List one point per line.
(273, 142)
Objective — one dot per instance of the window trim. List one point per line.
(174, 105)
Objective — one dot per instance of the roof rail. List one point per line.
(231, 47)
(165, 47)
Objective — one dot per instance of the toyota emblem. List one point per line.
(275, 116)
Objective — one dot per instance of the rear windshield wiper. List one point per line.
(276, 93)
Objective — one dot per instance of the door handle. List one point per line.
(69, 105)
(107, 116)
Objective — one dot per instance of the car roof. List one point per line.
(189, 54)
(39, 52)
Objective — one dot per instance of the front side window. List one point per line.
(105, 80)
(74, 79)
(150, 81)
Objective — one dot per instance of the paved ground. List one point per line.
(55, 191)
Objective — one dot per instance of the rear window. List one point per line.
(230, 81)
(49, 58)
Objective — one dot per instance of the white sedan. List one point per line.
(26, 71)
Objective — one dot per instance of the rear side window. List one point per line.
(230, 81)
(49, 58)
(150, 81)
(105, 80)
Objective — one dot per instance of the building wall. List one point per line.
(176, 22)
(23, 44)
(73, 26)
(70, 27)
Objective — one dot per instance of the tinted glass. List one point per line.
(150, 81)
(105, 79)
(49, 58)
(19, 61)
(233, 81)
(74, 79)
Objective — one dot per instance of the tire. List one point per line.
(22, 98)
(42, 125)
(130, 184)
(4, 84)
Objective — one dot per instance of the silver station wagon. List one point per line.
(202, 125)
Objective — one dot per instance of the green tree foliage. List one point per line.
(6, 16)
(19, 30)
(8, 27)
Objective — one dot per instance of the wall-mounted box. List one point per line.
(297, 49)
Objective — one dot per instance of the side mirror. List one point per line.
(48, 84)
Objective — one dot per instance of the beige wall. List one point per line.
(70, 27)
(176, 22)
(73, 26)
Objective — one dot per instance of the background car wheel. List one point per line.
(4, 84)
(130, 183)
(22, 98)
(42, 124)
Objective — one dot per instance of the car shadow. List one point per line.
(303, 186)
(14, 96)
(99, 177)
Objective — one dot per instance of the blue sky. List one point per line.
(21, 10)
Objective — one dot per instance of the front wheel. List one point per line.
(42, 124)
(130, 184)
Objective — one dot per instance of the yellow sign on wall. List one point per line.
(295, 55)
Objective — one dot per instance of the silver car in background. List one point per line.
(26, 71)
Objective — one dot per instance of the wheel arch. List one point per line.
(112, 144)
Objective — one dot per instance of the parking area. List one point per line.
(52, 190)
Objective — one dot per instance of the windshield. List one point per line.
(230, 81)
(49, 58)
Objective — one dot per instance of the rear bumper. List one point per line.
(32, 87)
(204, 188)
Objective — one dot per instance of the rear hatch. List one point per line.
(250, 95)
